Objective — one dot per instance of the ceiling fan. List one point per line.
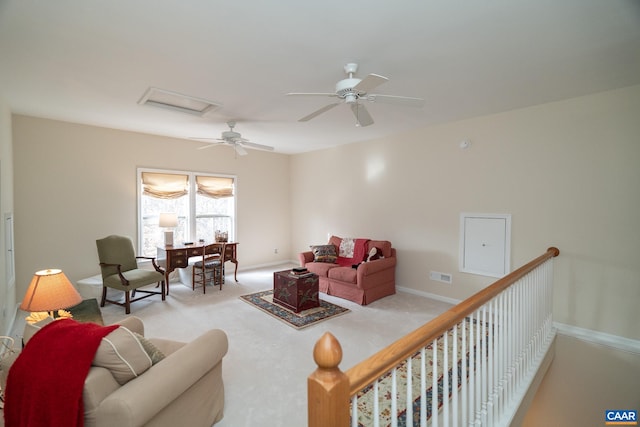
(233, 139)
(353, 91)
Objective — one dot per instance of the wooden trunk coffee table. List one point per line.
(295, 292)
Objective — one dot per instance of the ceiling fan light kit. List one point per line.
(351, 90)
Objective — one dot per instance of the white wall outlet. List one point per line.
(440, 277)
(275, 250)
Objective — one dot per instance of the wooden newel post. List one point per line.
(328, 386)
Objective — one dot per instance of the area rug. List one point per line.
(366, 396)
(264, 301)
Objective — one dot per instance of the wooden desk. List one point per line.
(177, 256)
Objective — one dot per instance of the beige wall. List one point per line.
(568, 172)
(75, 184)
(7, 287)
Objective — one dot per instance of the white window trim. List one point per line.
(192, 198)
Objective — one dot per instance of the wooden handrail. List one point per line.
(367, 371)
(329, 389)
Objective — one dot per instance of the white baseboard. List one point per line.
(429, 295)
(615, 341)
(269, 264)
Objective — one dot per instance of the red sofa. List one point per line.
(370, 281)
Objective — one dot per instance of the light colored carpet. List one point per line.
(266, 368)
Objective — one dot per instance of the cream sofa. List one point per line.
(184, 388)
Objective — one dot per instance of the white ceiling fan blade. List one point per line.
(398, 100)
(197, 138)
(240, 150)
(318, 112)
(204, 147)
(211, 142)
(363, 118)
(310, 94)
(258, 146)
(370, 82)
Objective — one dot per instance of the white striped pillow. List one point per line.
(123, 355)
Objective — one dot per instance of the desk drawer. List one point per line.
(179, 262)
(179, 259)
(194, 251)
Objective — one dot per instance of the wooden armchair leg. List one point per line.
(103, 301)
(127, 302)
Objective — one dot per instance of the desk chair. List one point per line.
(210, 268)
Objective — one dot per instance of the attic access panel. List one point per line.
(167, 99)
(485, 244)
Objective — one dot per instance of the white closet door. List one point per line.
(485, 244)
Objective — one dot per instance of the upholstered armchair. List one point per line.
(119, 268)
(180, 385)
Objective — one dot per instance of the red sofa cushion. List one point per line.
(320, 268)
(343, 274)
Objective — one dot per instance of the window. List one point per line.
(204, 204)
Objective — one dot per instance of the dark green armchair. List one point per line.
(119, 266)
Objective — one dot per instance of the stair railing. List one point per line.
(481, 356)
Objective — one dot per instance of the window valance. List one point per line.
(164, 185)
(214, 186)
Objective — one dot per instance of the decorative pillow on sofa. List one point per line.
(123, 355)
(154, 353)
(383, 245)
(324, 253)
(374, 254)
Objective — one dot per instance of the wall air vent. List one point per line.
(177, 102)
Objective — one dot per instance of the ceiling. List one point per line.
(90, 61)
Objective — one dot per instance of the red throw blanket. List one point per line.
(359, 252)
(45, 383)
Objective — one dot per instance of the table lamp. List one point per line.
(168, 220)
(49, 290)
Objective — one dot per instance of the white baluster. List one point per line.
(409, 418)
(394, 398)
(423, 387)
(354, 411)
(479, 355)
(486, 343)
(455, 377)
(434, 384)
(445, 380)
(376, 406)
(463, 389)
(472, 369)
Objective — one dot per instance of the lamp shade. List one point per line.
(168, 220)
(50, 290)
